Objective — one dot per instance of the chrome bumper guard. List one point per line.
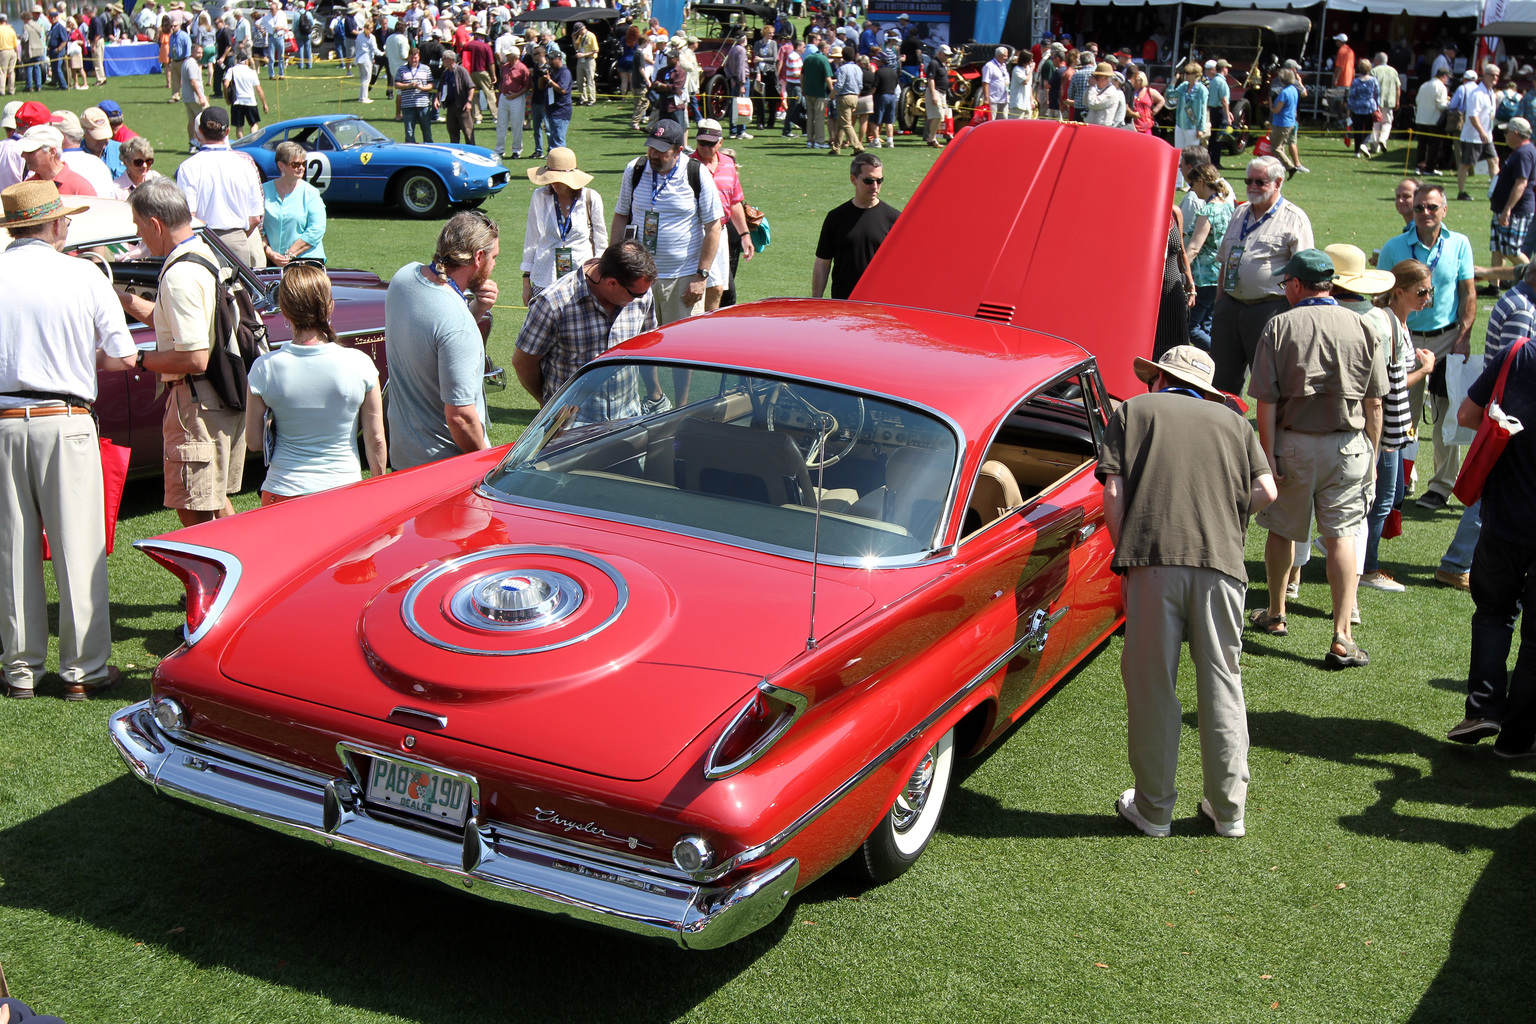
(503, 864)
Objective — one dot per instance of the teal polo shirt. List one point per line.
(1449, 262)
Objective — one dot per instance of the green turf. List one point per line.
(1386, 874)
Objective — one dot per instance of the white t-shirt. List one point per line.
(241, 82)
(223, 187)
(90, 167)
(58, 311)
(1477, 101)
(314, 392)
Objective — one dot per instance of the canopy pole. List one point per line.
(1178, 24)
(1040, 20)
(1322, 41)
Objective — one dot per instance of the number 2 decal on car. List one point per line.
(317, 170)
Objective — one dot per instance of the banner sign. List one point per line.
(928, 18)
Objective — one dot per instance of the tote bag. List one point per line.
(1493, 435)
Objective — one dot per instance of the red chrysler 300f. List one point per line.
(659, 671)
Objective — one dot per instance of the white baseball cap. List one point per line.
(1341, 38)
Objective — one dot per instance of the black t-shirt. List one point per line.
(849, 238)
(911, 51)
(886, 82)
(1509, 497)
(868, 88)
(1520, 163)
(222, 40)
(938, 73)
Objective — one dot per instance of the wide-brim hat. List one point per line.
(1353, 274)
(559, 166)
(34, 202)
(1186, 364)
(1103, 68)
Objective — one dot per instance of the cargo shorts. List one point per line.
(1326, 474)
(204, 452)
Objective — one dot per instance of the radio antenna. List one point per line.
(822, 423)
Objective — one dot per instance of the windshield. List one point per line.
(741, 457)
(354, 132)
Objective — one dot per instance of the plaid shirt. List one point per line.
(567, 327)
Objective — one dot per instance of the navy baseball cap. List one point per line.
(667, 134)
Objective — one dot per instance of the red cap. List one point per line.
(32, 113)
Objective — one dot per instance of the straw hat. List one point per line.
(34, 202)
(559, 166)
(1351, 272)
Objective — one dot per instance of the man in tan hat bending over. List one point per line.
(1181, 474)
(59, 324)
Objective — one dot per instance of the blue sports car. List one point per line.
(351, 161)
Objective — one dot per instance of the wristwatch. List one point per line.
(138, 362)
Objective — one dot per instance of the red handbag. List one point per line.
(114, 473)
(1484, 451)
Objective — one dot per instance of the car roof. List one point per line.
(972, 371)
(1051, 227)
(1280, 23)
(311, 119)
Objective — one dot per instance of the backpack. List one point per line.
(695, 170)
(239, 336)
(306, 23)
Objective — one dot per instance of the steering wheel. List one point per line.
(825, 424)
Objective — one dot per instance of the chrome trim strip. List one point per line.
(507, 866)
(797, 702)
(232, 573)
(408, 604)
(941, 530)
(852, 782)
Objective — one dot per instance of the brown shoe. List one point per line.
(1458, 580)
(80, 691)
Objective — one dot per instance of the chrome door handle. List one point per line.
(1087, 531)
(1040, 628)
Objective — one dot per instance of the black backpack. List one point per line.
(306, 23)
(695, 177)
(239, 335)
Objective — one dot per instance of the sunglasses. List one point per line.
(150, 162)
(296, 164)
(872, 181)
(1421, 292)
(1257, 181)
(632, 293)
(1426, 207)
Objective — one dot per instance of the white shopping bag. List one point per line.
(1460, 372)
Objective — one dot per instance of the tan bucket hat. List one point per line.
(559, 166)
(1186, 364)
(1353, 274)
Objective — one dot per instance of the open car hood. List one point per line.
(1020, 261)
(652, 636)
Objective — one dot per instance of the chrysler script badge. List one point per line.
(591, 828)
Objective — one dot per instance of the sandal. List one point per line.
(1272, 625)
(1354, 655)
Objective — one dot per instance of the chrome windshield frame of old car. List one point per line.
(542, 440)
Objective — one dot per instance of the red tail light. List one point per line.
(209, 576)
(767, 716)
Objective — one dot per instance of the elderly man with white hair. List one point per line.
(994, 79)
(42, 146)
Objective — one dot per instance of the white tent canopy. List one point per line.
(1419, 8)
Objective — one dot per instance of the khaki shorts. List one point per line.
(668, 293)
(1281, 136)
(204, 452)
(1326, 473)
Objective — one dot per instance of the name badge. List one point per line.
(651, 229)
(1233, 259)
(563, 262)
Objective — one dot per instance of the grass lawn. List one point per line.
(1386, 875)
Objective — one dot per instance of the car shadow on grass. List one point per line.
(1490, 945)
(225, 896)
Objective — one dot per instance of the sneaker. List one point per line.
(879, 143)
(1125, 805)
(1465, 197)
(1229, 829)
(1361, 153)
(1354, 616)
(537, 153)
(1292, 591)
(1470, 730)
(1303, 169)
(365, 99)
(743, 135)
(652, 406)
(1432, 501)
(1381, 581)
(1456, 580)
(811, 145)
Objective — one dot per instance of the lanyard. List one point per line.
(451, 282)
(1431, 255)
(1191, 392)
(1320, 300)
(1248, 228)
(563, 223)
(658, 185)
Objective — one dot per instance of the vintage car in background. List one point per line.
(352, 162)
(128, 409)
(1255, 43)
(562, 22)
(724, 20)
(658, 671)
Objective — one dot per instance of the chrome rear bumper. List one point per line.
(508, 865)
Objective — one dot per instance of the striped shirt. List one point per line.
(1513, 318)
(1396, 416)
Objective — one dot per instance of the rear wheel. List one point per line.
(905, 830)
(718, 99)
(422, 195)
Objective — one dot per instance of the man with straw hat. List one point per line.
(60, 323)
(1182, 473)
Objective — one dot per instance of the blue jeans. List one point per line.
(306, 52)
(414, 116)
(34, 74)
(1200, 316)
(1389, 468)
(540, 127)
(1502, 582)
(557, 127)
(276, 58)
(1458, 557)
(58, 73)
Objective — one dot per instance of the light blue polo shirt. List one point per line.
(1449, 262)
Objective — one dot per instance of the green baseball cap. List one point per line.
(1311, 266)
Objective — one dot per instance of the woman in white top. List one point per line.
(566, 226)
(1021, 85)
(314, 388)
(365, 52)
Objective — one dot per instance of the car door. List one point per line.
(333, 170)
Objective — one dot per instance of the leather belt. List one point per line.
(1436, 330)
(32, 411)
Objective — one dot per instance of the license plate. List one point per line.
(410, 788)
